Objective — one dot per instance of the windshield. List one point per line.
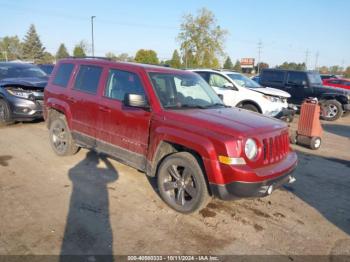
(243, 81)
(178, 91)
(315, 78)
(14, 71)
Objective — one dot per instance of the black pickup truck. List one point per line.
(304, 84)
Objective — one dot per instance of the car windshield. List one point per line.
(243, 81)
(14, 71)
(179, 91)
(315, 78)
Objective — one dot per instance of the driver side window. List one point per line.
(218, 81)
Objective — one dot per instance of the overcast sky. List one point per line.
(287, 29)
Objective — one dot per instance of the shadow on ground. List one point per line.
(327, 190)
(340, 130)
(88, 229)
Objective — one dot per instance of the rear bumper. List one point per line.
(239, 189)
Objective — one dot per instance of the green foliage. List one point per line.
(146, 57)
(11, 48)
(48, 58)
(261, 66)
(292, 66)
(62, 52)
(32, 46)
(336, 69)
(175, 61)
(237, 66)
(347, 72)
(201, 40)
(123, 57)
(228, 63)
(80, 49)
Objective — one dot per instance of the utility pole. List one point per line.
(92, 35)
(259, 55)
(316, 60)
(306, 58)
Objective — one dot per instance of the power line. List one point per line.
(306, 58)
(316, 59)
(259, 54)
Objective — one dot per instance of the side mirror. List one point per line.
(135, 100)
(228, 86)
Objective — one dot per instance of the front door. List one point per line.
(123, 131)
(296, 85)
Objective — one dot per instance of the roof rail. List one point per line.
(92, 57)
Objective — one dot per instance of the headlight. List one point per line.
(272, 98)
(19, 93)
(251, 149)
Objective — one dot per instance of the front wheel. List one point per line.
(181, 183)
(331, 110)
(250, 107)
(61, 139)
(5, 118)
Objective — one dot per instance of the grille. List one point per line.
(275, 148)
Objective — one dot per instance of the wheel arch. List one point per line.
(249, 102)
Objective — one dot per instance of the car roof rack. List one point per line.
(92, 57)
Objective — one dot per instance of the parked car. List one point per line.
(328, 76)
(305, 84)
(240, 91)
(169, 124)
(21, 92)
(337, 82)
(47, 68)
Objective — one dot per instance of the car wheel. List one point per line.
(331, 110)
(61, 139)
(5, 117)
(182, 184)
(293, 138)
(315, 143)
(250, 107)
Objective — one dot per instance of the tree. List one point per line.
(48, 58)
(237, 66)
(123, 57)
(80, 49)
(32, 46)
(62, 52)
(336, 69)
(347, 72)
(261, 65)
(11, 48)
(175, 60)
(324, 70)
(228, 64)
(292, 66)
(201, 38)
(146, 57)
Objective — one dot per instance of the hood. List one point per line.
(272, 91)
(229, 121)
(331, 90)
(25, 81)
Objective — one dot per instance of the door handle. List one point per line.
(104, 109)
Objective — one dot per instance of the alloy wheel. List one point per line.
(60, 137)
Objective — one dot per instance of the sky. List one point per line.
(288, 29)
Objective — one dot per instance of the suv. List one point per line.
(169, 124)
(21, 92)
(240, 91)
(305, 84)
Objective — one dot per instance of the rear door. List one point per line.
(123, 131)
(82, 99)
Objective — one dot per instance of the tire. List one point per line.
(61, 139)
(331, 110)
(5, 116)
(293, 138)
(182, 184)
(315, 143)
(250, 107)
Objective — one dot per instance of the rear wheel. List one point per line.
(5, 117)
(250, 107)
(315, 143)
(181, 183)
(331, 110)
(61, 139)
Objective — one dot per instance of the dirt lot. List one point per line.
(90, 204)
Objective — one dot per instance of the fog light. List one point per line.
(25, 110)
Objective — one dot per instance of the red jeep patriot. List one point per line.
(169, 124)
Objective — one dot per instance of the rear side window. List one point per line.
(296, 78)
(88, 78)
(121, 83)
(273, 76)
(63, 75)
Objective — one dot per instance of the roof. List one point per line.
(106, 62)
(224, 71)
(16, 64)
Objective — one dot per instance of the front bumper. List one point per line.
(239, 189)
(346, 107)
(24, 109)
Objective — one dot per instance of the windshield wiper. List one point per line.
(216, 104)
